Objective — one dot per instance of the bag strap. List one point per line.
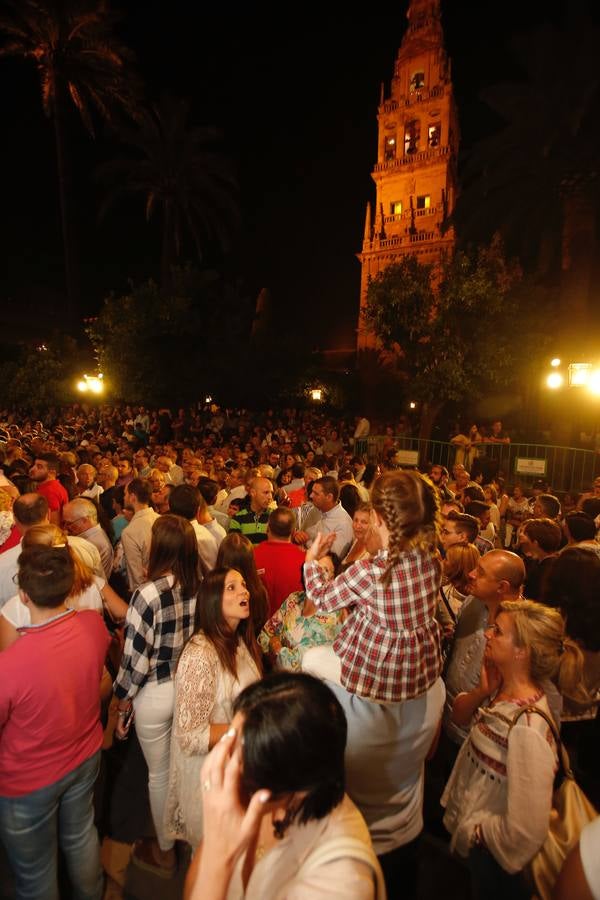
(563, 756)
(449, 609)
(343, 847)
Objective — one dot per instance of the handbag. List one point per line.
(571, 812)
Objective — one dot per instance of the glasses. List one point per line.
(67, 524)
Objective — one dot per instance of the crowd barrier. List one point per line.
(564, 468)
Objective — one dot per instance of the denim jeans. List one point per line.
(61, 814)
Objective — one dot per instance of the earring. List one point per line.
(280, 826)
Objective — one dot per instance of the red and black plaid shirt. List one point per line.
(389, 645)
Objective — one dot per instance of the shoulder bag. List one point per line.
(571, 811)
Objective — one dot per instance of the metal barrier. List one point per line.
(564, 468)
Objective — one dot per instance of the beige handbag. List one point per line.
(571, 811)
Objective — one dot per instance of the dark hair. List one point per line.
(209, 489)
(369, 475)
(477, 507)
(591, 506)
(141, 490)
(210, 619)
(571, 583)
(329, 485)
(546, 532)
(550, 504)
(465, 524)
(174, 549)
(350, 498)
(282, 522)
(298, 470)
(30, 509)
(580, 526)
(184, 500)
(46, 575)
(474, 492)
(293, 716)
(443, 469)
(237, 552)
(51, 459)
(118, 495)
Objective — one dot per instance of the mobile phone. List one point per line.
(128, 718)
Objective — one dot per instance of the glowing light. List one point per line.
(579, 374)
(208, 399)
(316, 394)
(93, 383)
(555, 362)
(554, 380)
(412, 404)
(594, 381)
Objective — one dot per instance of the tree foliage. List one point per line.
(456, 332)
(181, 175)
(36, 377)
(156, 348)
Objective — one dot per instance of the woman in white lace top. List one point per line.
(220, 659)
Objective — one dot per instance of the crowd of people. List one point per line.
(304, 641)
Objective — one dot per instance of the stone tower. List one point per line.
(415, 173)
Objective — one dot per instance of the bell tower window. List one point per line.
(390, 147)
(424, 201)
(396, 208)
(417, 81)
(412, 134)
(434, 135)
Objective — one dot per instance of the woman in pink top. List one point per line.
(50, 733)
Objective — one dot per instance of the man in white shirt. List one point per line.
(80, 518)
(333, 520)
(137, 536)
(185, 501)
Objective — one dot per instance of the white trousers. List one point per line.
(153, 719)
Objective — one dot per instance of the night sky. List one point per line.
(295, 91)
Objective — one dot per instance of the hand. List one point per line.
(123, 725)
(300, 537)
(490, 679)
(229, 827)
(319, 547)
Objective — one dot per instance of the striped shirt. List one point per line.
(389, 646)
(159, 621)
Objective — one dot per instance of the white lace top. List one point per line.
(204, 695)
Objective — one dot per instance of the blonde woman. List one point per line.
(499, 795)
(89, 590)
(460, 559)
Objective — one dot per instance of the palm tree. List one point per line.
(80, 62)
(182, 177)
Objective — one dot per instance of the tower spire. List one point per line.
(367, 234)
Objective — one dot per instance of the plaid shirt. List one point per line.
(389, 645)
(158, 624)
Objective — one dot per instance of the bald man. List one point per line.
(80, 518)
(252, 521)
(498, 576)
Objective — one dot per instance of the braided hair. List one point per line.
(408, 504)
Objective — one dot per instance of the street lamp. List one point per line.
(554, 380)
(316, 394)
(93, 384)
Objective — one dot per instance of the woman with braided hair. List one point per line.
(389, 646)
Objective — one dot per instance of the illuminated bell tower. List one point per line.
(415, 173)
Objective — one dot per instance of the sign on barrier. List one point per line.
(524, 466)
(406, 457)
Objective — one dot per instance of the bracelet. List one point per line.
(122, 713)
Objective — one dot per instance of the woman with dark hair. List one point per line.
(370, 475)
(298, 625)
(236, 552)
(350, 498)
(220, 659)
(278, 823)
(160, 620)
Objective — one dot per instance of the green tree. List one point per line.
(183, 178)
(81, 64)
(157, 347)
(38, 376)
(451, 333)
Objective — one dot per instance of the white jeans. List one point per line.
(153, 719)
